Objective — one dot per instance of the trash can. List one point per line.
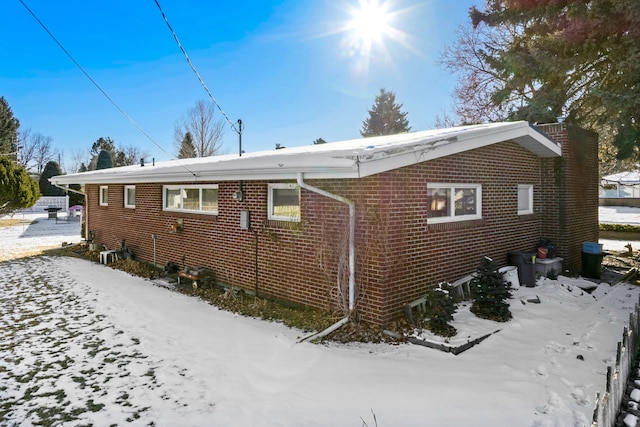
(526, 263)
(592, 264)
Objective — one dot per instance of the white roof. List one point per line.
(627, 178)
(354, 158)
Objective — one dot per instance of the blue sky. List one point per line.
(284, 67)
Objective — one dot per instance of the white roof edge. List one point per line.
(345, 159)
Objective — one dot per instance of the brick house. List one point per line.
(363, 226)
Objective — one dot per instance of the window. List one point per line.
(191, 198)
(525, 199)
(130, 196)
(453, 202)
(104, 195)
(284, 202)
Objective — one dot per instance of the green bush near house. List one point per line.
(490, 292)
(439, 310)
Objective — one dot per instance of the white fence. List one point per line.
(45, 201)
(608, 403)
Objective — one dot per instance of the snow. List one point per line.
(107, 348)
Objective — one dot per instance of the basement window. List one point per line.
(284, 202)
(130, 196)
(453, 202)
(104, 195)
(191, 198)
(525, 199)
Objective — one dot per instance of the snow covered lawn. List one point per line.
(81, 343)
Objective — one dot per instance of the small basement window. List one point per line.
(284, 202)
(525, 199)
(130, 196)
(104, 195)
(453, 202)
(191, 198)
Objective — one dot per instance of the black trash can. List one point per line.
(592, 264)
(525, 261)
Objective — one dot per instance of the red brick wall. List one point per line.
(571, 192)
(398, 253)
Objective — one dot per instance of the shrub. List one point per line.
(440, 307)
(490, 292)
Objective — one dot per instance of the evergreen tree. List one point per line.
(187, 149)
(440, 307)
(17, 189)
(490, 292)
(386, 117)
(8, 129)
(319, 141)
(105, 160)
(577, 59)
(46, 189)
(75, 198)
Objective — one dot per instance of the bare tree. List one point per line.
(204, 128)
(131, 154)
(478, 81)
(35, 150)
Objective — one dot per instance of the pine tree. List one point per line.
(490, 292)
(17, 189)
(46, 189)
(187, 149)
(440, 307)
(386, 117)
(8, 129)
(105, 161)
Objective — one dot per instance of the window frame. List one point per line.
(181, 189)
(529, 189)
(103, 195)
(452, 187)
(127, 188)
(274, 217)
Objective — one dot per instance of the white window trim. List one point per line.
(103, 202)
(126, 188)
(270, 203)
(453, 217)
(529, 188)
(184, 187)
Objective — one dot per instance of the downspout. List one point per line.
(352, 228)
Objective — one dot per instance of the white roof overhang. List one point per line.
(338, 160)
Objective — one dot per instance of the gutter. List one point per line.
(67, 189)
(352, 228)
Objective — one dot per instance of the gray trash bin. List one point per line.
(525, 261)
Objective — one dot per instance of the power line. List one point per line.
(184, 52)
(133, 122)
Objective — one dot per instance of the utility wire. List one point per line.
(133, 122)
(184, 52)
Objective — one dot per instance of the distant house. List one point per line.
(363, 226)
(620, 189)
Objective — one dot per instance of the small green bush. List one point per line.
(439, 311)
(490, 292)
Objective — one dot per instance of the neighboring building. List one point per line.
(365, 224)
(620, 189)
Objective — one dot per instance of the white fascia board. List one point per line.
(276, 168)
(519, 132)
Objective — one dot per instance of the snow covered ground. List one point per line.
(84, 343)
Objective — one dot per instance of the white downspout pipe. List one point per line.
(352, 232)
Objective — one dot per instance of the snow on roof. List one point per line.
(627, 178)
(354, 158)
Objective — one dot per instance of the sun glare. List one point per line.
(370, 22)
(369, 29)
